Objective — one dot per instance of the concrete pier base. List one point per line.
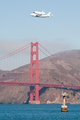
(64, 108)
(34, 102)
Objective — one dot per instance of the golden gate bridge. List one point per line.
(36, 74)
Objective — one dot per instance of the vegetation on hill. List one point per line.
(64, 68)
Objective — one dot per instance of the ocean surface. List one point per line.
(38, 112)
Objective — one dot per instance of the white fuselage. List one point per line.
(40, 15)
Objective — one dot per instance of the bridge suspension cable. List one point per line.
(69, 71)
(14, 52)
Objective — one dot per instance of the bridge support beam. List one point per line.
(34, 73)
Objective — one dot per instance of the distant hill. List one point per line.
(1, 71)
(60, 68)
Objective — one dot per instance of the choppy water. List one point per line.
(38, 112)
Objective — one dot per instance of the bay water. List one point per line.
(38, 112)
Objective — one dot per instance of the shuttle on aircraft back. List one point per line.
(40, 14)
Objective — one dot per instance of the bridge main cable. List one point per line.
(14, 52)
(77, 77)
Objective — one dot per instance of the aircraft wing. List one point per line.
(38, 15)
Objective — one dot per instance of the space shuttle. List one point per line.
(37, 12)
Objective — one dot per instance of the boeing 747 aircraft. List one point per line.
(40, 14)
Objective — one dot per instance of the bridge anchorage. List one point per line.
(34, 73)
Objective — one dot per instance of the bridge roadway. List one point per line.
(40, 84)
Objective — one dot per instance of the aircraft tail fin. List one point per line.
(43, 12)
(49, 14)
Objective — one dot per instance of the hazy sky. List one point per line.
(58, 33)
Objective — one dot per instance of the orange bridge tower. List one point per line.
(34, 75)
